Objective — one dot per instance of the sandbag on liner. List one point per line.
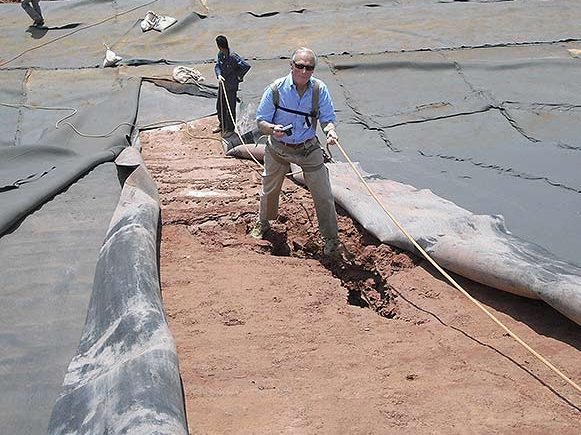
(478, 247)
(125, 376)
(247, 151)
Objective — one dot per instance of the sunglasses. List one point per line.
(302, 66)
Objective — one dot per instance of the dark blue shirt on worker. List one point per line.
(289, 98)
(232, 67)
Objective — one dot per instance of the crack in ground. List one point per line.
(514, 124)
(547, 107)
(363, 269)
(360, 117)
(366, 288)
(493, 101)
(506, 171)
(437, 118)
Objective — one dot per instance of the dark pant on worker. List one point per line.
(32, 8)
(226, 120)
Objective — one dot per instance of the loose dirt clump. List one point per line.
(273, 337)
(364, 269)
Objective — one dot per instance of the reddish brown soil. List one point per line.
(273, 338)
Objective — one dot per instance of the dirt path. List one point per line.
(272, 338)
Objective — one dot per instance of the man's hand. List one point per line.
(332, 138)
(277, 132)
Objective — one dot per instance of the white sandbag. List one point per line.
(247, 151)
(153, 21)
(111, 59)
(183, 74)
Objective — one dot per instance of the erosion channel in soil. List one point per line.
(274, 338)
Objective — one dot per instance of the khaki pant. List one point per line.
(277, 161)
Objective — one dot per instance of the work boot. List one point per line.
(260, 227)
(330, 247)
(334, 249)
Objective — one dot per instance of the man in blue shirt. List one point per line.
(230, 70)
(287, 115)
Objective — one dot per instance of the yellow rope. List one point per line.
(372, 193)
(74, 31)
(453, 282)
(157, 124)
(237, 131)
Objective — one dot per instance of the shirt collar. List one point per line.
(292, 83)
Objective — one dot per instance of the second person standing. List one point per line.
(230, 70)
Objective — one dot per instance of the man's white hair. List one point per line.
(307, 51)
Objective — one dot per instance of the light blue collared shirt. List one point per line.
(289, 98)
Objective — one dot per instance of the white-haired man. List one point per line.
(288, 112)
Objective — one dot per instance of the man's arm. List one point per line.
(264, 112)
(218, 68)
(329, 130)
(327, 115)
(243, 67)
(268, 128)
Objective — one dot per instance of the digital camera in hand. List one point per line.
(288, 129)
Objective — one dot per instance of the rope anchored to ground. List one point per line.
(451, 280)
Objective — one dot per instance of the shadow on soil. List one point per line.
(364, 273)
(368, 264)
(538, 315)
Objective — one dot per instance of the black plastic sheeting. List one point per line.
(125, 376)
(31, 174)
(493, 129)
(326, 25)
(263, 28)
(183, 102)
(48, 266)
(477, 247)
(57, 197)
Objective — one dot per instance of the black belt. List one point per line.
(296, 145)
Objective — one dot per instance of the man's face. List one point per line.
(300, 68)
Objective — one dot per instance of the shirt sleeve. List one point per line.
(326, 109)
(265, 110)
(243, 67)
(217, 68)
